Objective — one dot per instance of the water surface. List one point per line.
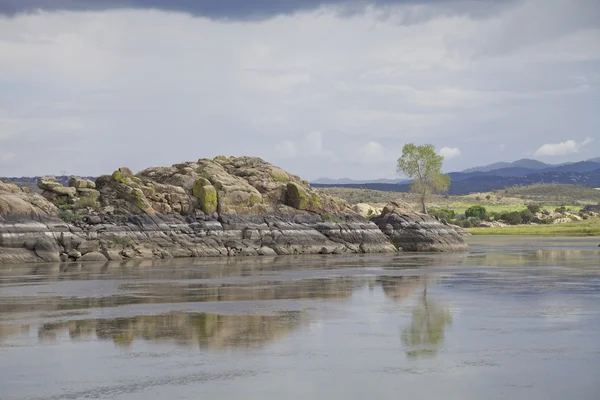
(515, 318)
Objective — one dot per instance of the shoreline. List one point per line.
(587, 228)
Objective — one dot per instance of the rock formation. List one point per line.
(236, 206)
(412, 231)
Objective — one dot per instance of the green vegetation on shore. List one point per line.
(590, 227)
(506, 200)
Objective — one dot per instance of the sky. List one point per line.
(327, 88)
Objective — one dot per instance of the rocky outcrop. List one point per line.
(236, 206)
(159, 236)
(17, 204)
(412, 231)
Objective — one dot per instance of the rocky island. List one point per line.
(235, 206)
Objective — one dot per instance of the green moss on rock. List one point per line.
(297, 196)
(206, 195)
(315, 199)
(137, 198)
(255, 199)
(279, 176)
(117, 176)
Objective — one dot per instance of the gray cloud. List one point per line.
(316, 93)
(246, 9)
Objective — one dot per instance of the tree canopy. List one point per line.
(424, 167)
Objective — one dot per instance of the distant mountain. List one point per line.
(523, 163)
(348, 181)
(484, 182)
(582, 167)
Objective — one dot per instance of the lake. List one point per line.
(515, 318)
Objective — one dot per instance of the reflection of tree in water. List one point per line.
(203, 330)
(426, 333)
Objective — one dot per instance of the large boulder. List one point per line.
(81, 183)
(16, 204)
(51, 188)
(47, 249)
(413, 231)
(235, 194)
(206, 195)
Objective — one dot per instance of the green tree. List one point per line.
(526, 216)
(424, 167)
(476, 212)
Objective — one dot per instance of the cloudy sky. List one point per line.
(320, 87)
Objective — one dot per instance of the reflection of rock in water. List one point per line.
(203, 330)
(181, 292)
(426, 332)
(7, 331)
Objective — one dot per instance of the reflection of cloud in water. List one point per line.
(211, 331)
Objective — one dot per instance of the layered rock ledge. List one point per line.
(236, 206)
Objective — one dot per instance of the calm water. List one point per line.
(516, 318)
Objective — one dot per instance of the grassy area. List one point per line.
(493, 202)
(460, 208)
(550, 195)
(589, 227)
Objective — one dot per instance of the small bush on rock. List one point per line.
(124, 241)
(67, 215)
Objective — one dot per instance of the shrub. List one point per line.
(476, 212)
(512, 218)
(86, 202)
(443, 214)
(332, 218)
(67, 215)
(124, 241)
(464, 223)
(488, 197)
(526, 216)
(494, 216)
(560, 209)
(534, 208)
(475, 222)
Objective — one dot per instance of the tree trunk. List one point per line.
(423, 203)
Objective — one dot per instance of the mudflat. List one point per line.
(516, 317)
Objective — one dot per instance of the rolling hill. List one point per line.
(485, 182)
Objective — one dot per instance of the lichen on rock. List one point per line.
(297, 196)
(206, 194)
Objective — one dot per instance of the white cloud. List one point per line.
(287, 148)
(313, 143)
(372, 153)
(310, 145)
(563, 148)
(449, 152)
